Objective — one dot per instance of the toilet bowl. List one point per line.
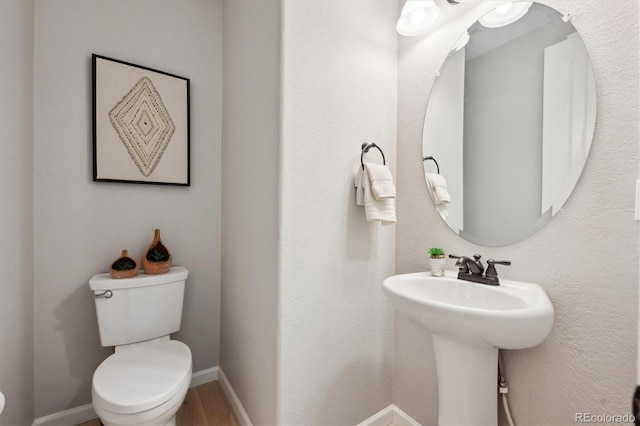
(144, 385)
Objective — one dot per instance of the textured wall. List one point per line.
(335, 324)
(586, 258)
(16, 210)
(250, 203)
(80, 226)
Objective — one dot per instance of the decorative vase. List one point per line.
(437, 266)
(157, 259)
(124, 267)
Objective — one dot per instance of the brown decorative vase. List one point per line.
(124, 267)
(157, 259)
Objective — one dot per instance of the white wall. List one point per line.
(587, 364)
(335, 324)
(301, 266)
(250, 196)
(80, 225)
(16, 210)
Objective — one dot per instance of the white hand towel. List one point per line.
(437, 188)
(381, 181)
(383, 209)
(359, 184)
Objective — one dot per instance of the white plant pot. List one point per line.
(437, 266)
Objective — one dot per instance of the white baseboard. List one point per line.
(72, 416)
(390, 415)
(204, 376)
(236, 405)
(84, 413)
(383, 417)
(403, 419)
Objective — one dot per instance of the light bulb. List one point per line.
(505, 14)
(505, 8)
(462, 42)
(416, 17)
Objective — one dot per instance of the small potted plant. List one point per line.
(124, 266)
(157, 259)
(437, 261)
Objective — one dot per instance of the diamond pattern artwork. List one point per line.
(141, 131)
(143, 125)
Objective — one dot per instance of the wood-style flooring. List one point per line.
(205, 405)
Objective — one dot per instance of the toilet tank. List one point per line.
(140, 308)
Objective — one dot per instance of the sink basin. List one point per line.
(513, 315)
(469, 322)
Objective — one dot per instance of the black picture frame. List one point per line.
(141, 124)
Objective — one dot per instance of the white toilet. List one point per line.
(146, 380)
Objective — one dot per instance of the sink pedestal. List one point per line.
(467, 382)
(469, 322)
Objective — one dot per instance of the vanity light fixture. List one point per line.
(505, 14)
(417, 17)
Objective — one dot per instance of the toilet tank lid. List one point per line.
(103, 282)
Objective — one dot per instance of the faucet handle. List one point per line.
(491, 269)
(498, 262)
(462, 266)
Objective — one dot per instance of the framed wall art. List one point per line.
(140, 124)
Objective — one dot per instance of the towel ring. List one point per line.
(434, 160)
(365, 148)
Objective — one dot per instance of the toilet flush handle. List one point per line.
(106, 294)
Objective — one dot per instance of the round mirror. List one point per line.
(509, 124)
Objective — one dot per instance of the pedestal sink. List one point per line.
(469, 322)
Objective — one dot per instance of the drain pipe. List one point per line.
(503, 390)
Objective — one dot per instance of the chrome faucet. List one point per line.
(473, 269)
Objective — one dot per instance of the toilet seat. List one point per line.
(142, 378)
(160, 415)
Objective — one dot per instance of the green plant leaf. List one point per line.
(158, 253)
(123, 264)
(436, 252)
